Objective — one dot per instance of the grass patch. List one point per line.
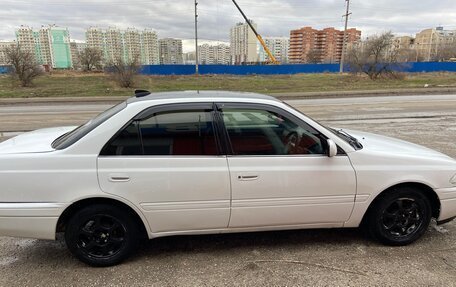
(72, 84)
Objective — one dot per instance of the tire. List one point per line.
(101, 235)
(399, 217)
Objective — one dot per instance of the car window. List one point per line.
(167, 133)
(73, 136)
(261, 132)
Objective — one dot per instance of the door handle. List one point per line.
(119, 178)
(247, 177)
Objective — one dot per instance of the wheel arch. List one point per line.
(426, 190)
(82, 203)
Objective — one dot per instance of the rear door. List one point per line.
(168, 161)
(280, 173)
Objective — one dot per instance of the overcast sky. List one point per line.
(274, 17)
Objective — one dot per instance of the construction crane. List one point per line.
(272, 59)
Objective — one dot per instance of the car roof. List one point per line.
(210, 95)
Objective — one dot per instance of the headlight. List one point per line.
(453, 180)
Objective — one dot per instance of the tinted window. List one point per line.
(167, 133)
(259, 132)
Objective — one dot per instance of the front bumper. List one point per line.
(447, 198)
(30, 220)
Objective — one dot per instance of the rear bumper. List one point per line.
(447, 198)
(30, 220)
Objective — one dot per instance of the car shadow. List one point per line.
(226, 243)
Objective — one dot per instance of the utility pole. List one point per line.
(344, 42)
(196, 38)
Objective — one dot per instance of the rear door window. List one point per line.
(170, 133)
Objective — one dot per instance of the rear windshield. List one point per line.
(73, 136)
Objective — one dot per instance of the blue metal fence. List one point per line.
(4, 69)
(165, 70)
(284, 69)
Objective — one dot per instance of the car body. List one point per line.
(213, 162)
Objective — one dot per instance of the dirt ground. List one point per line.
(336, 257)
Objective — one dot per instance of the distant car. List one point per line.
(214, 162)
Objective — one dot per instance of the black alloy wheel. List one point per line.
(400, 217)
(101, 235)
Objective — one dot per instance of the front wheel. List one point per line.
(400, 217)
(101, 235)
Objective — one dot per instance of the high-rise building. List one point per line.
(50, 45)
(189, 58)
(3, 47)
(430, 42)
(76, 48)
(214, 54)
(132, 45)
(243, 44)
(95, 38)
(127, 45)
(113, 49)
(278, 46)
(170, 51)
(25, 38)
(319, 46)
(149, 47)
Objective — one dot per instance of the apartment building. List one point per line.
(3, 46)
(403, 43)
(95, 38)
(114, 48)
(49, 44)
(278, 46)
(132, 45)
(149, 48)
(170, 51)
(76, 48)
(429, 43)
(320, 46)
(127, 45)
(189, 58)
(27, 40)
(214, 54)
(243, 44)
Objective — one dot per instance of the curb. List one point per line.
(366, 93)
(282, 96)
(60, 100)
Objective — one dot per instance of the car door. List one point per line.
(168, 162)
(280, 172)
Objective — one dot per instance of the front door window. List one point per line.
(261, 132)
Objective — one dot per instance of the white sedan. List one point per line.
(214, 162)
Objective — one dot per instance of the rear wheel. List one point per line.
(101, 235)
(400, 217)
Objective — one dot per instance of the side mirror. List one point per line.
(332, 148)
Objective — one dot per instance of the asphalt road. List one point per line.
(291, 258)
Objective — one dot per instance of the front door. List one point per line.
(169, 163)
(280, 173)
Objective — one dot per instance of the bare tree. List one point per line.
(90, 58)
(374, 57)
(123, 72)
(23, 65)
(314, 56)
(407, 55)
(446, 52)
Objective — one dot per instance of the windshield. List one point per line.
(73, 136)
